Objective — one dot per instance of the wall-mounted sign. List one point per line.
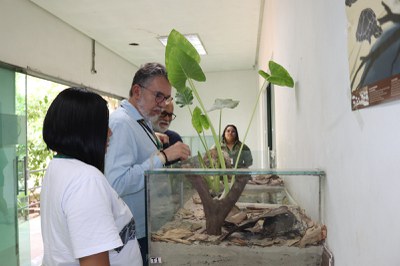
(374, 51)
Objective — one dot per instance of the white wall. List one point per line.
(32, 38)
(316, 129)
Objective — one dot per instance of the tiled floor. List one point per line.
(36, 241)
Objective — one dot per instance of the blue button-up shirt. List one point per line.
(129, 154)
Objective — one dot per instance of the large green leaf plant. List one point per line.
(183, 65)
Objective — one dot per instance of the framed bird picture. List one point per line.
(373, 51)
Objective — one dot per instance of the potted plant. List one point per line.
(183, 65)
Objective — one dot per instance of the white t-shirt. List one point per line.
(82, 215)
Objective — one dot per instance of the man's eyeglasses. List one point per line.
(159, 97)
(165, 114)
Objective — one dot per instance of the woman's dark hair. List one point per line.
(76, 125)
(146, 73)
(223, 133)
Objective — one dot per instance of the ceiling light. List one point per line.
(192, 38)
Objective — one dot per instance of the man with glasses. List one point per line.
(134, 147)
(162, 126)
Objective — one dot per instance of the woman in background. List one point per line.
(84, 222)
(231, 144)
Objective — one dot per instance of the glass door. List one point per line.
(14, 216)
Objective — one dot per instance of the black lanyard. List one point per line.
(150, 133)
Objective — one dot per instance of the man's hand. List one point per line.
(177, 151)
(162, 137)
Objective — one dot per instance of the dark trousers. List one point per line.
(144, 249)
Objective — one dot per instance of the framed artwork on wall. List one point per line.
(373, 51)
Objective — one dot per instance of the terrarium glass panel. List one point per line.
(270, 217)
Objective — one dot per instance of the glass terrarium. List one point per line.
(269, 217)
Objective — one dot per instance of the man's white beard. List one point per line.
(146, 114)
(157, 128)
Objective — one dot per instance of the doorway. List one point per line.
(270, 126)
(24, 100)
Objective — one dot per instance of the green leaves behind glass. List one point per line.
(223, 103)
(279, 75)
(182, 61)
(199, 120)
(184, 97)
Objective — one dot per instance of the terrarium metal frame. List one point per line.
(156, 187)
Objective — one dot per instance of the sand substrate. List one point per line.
(174, 254)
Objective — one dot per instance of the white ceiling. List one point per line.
(229, 29)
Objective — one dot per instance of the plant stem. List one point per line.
(248, 127)
(216, 138)
(220, 118)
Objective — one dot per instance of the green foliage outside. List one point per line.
(38, 154)
(40, 94)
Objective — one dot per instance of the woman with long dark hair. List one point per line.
(231, 144)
